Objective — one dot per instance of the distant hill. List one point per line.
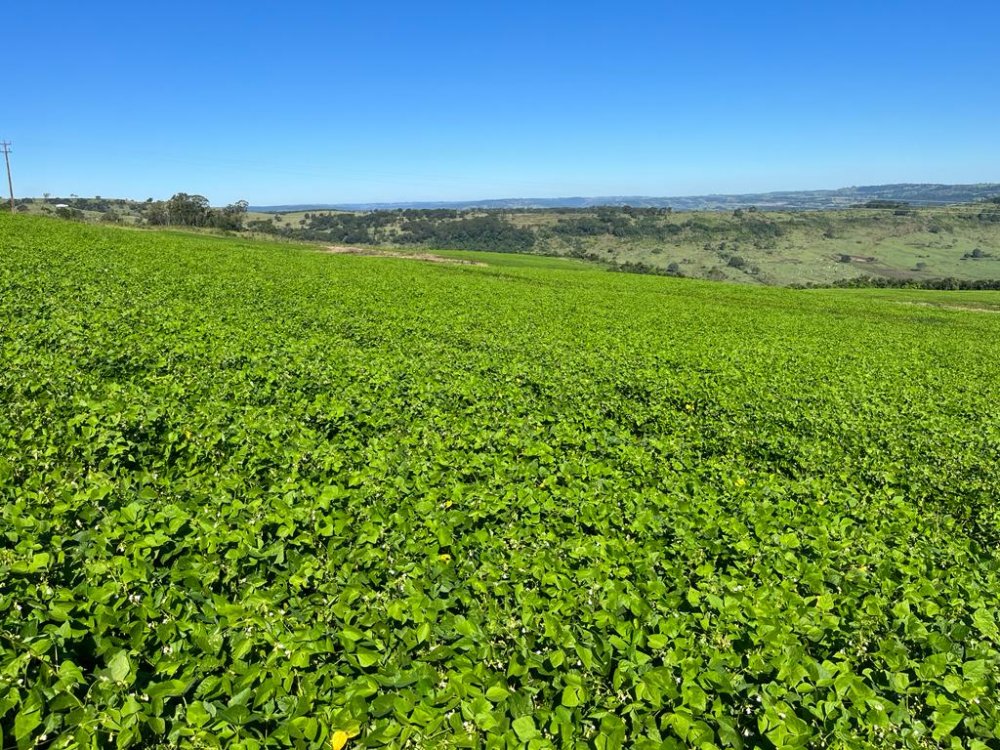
(913, 193)
(889, 238)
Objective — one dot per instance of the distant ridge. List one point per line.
(914, 193)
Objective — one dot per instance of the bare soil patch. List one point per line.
(375, 252)
(966, 308)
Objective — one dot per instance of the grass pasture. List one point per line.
(257, 496)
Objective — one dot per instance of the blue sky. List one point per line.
(349, 102)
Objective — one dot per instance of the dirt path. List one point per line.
(375, 252)
(965, 308)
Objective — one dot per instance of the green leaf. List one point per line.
(694, 697)
(952, 683)
(485, 721)
(119, 667)
(657, 641)
(612, 734)
(946, 724)
(985, 621)
(524, 727)
(977, 670)
(169, 688)
(423, 632)
(352, 634)
(728, 734)
(197, 715)
(497, 694)
(572, 696)
(26, 722)
(70, 673)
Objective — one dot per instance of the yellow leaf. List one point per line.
(338, 740)
(444, 558)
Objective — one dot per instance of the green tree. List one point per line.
(231, 217)
(155, 213)
(188, 210)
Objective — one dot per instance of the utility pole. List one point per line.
(10, 183)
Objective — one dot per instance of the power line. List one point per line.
(5, 145)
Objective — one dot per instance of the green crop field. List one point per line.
(253, 495)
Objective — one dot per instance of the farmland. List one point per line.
(884, 240)
(254, 495)
(772, 248)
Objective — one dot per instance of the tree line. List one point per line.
(881, 282)
(492, 229)
(181, 209)
(193, 211)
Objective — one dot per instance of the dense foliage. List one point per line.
(946, 284)
(185, 210)
(438, 228)
(256, 496)
(495, 231)
(468, 233)
(181, 209)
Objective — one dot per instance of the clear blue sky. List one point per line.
(383, 101)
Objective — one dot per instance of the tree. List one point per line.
(188, 210)
(231, 217)
(73, 214)
(155, 213)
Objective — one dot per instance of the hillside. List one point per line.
(894, 241)
(885, 239)
(255, 495)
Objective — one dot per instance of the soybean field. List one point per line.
(254, 495)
